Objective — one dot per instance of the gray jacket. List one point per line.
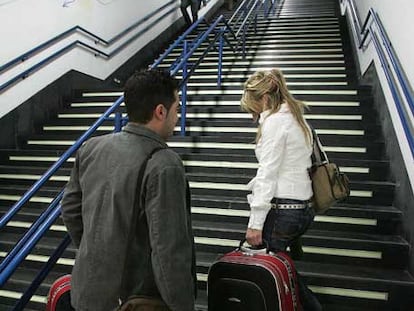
(97, 210)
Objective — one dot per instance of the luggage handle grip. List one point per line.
(254, 249)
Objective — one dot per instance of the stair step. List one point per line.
(224, 144)
(344, 123)
(368, 192)
(359, 287)
(355, 258)
(338, 108)
(339, 247)
(343, 217)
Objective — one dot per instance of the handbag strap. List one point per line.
(136, 207)
(318, 155)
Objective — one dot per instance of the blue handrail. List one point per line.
(395, 63)
(42, 274)
(253, 7)
(37, 185)
(43, 223)
(65, 49)
(39, 227)
(394, 92)
(77, 28)
(189, 49)
(6, 218)
(34, 227)
(197, 44)
(177, 42)
(386, 48)
(26, 249)
(187, 70)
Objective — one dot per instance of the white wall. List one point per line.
(25, 24)
(396, 19)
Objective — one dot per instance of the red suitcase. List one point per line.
(59, 295)
(245, 280)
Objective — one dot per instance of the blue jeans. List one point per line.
(281, 228)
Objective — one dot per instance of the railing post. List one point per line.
(244, 41)
(220, 63)
(255, 23)
(184, 91)
(118, 122)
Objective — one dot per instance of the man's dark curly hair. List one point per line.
(144, 90)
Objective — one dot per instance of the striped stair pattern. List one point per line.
(354, 256)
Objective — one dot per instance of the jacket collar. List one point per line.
(284, 108)
(141, 130)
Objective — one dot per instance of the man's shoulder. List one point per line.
(165, 160)
(166, 156)
(98, 139)
(93, 143)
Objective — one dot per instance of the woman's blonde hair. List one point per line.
(268, 90)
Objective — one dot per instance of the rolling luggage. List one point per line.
(59, 295)
(246, 280)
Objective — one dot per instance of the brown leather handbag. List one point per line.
(328, 183)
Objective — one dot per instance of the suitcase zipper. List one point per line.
(291, 279)
(286, 288)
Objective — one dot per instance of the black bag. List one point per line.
(328, 183)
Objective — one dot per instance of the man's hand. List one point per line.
(254, 237)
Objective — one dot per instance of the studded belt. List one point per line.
(289, 206)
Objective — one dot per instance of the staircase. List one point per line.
(354, 257)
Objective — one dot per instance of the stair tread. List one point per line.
(209, 156)
(367, 222)
(242, 177)
(333, 270)
(336, 271)
(311, 233)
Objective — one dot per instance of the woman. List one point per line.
(281, 191)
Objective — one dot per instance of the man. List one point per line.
(195, 6)
(98, 204)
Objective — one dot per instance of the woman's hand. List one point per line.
(254, 237)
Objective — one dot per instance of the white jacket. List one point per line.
(284, 156)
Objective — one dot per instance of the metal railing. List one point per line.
(95, 50)
(373, 29)
(26, 244)
(237, 26)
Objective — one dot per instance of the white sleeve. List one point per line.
(273, 142)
